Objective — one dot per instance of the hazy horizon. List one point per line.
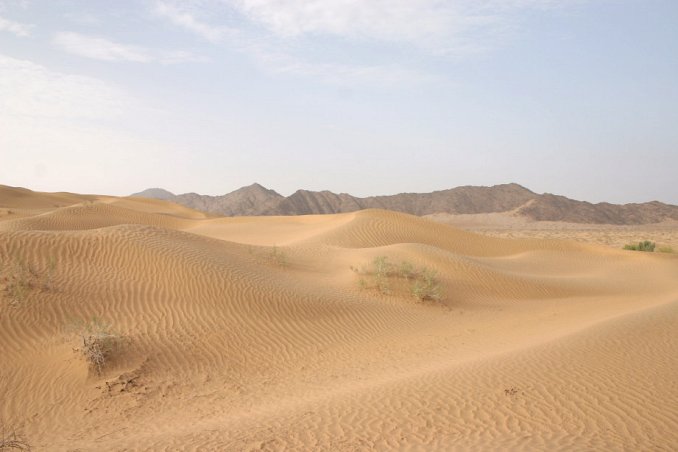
(577, 98)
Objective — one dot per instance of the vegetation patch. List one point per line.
(20, 278)
(98, 342)
(397, 278)
(278, 257)
(11, 441)
(641, 246)
(666, 249)
(426, 285)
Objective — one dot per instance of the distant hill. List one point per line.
(157, 193)
(506, 198)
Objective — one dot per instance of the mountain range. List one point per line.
(506, 198)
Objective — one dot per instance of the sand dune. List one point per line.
(253, 334)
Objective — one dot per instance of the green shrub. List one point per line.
(427, 286)
(387, 277)
(407, 270)
(641, 246)
(382, 270)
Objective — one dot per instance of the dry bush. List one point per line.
(21, 278)
(10, 441)
(98, 342)
(49, 274)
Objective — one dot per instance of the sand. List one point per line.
(506, 225)
(254, 334)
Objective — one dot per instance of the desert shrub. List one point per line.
(646, 246)
(407, 270)
(10, 441)
(666, 249)
(386, 276)
(382, 269)
(641, 246)
(21, 278)
(98, 341)
(278, 257)
(49, 274)
(426, 286)
(376, 275)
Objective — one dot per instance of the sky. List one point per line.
(369, 97)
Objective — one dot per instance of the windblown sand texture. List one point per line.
(252, 333)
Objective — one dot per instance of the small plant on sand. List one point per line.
(666, 249)
(10, 441)
(382, 269)
(49, 274)
(407, 270)
(278, 257)
(21, 278)
(388, 277)
(641, 246)
(426, 286)
(375, 276)
(98, 341)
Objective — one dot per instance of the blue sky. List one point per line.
(369, 97)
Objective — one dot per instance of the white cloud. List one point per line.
(282, 34)
(99, 48)
(440, 26)
(274, 56)
(16, 28)
(106, 50)
(188, 21)
(383, 19)
(31, 90)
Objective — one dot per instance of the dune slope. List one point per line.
(253, 334)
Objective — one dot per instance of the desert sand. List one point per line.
(253, 333)
(508, 225)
